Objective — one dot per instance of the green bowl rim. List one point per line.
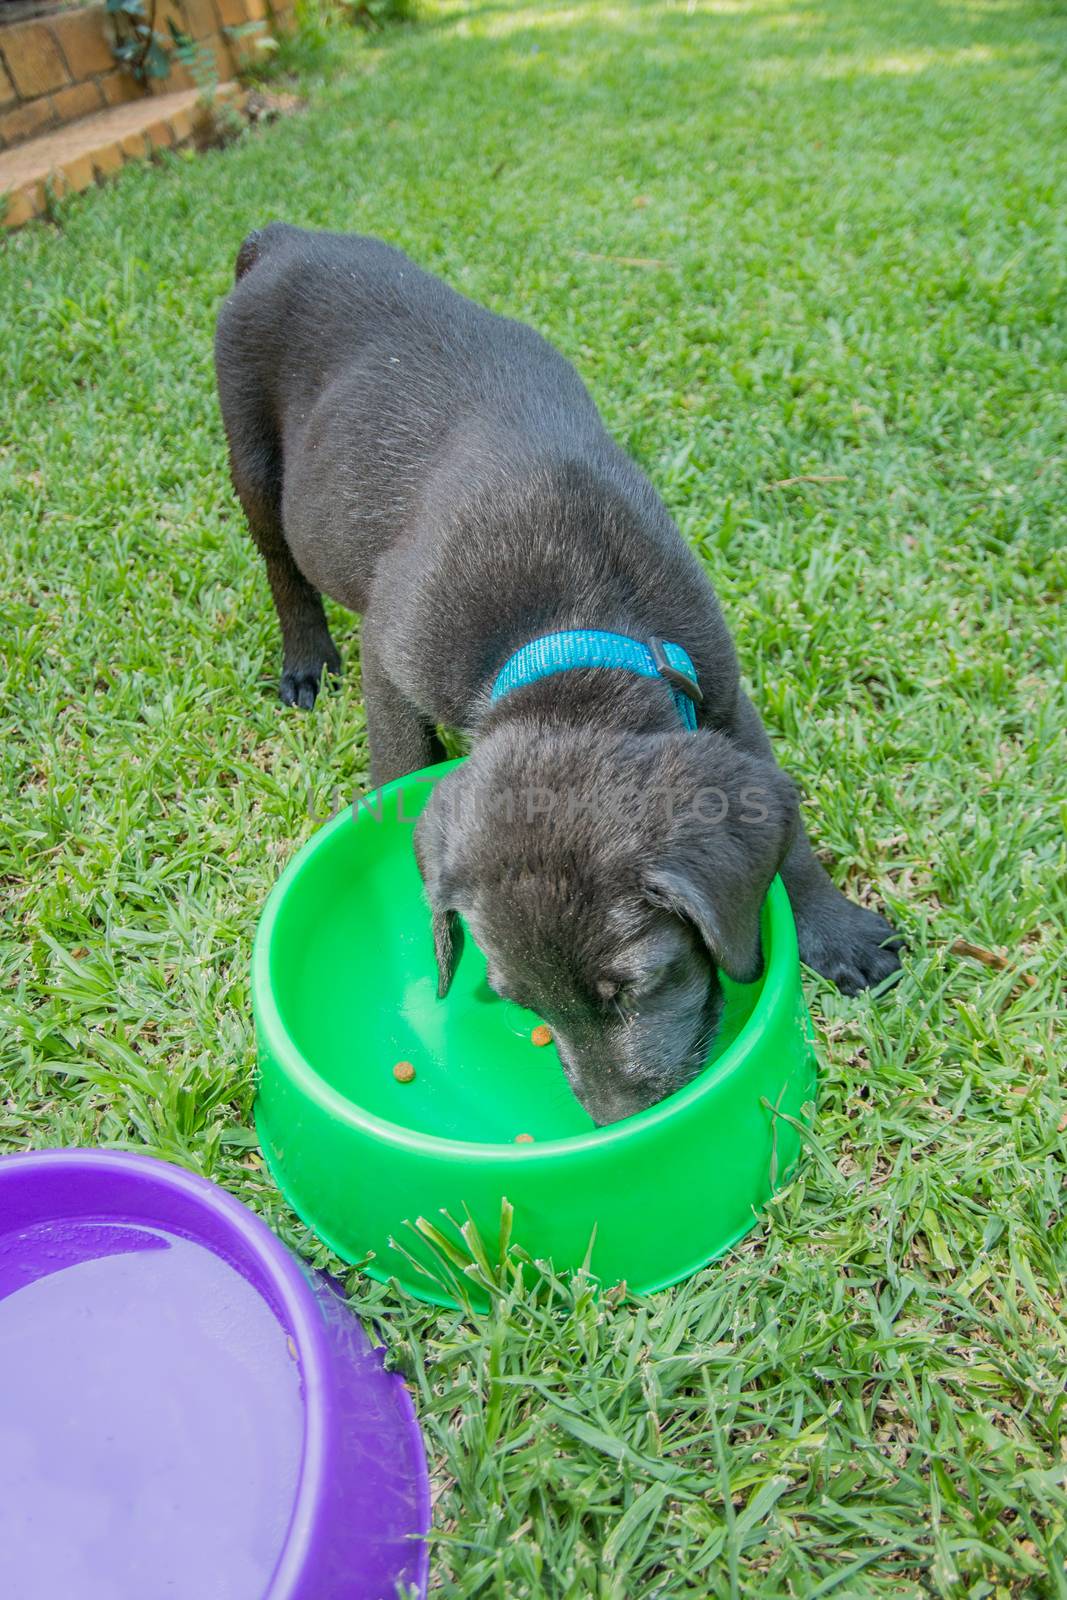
(275, 1035)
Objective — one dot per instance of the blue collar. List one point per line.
(589, 647)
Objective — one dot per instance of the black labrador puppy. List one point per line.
(443, 471)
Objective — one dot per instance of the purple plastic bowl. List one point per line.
(184, 1409)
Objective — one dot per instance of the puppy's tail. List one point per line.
(262, 242)
(248, 254)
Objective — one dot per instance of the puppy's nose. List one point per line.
(608, 1108)
(604, 1116)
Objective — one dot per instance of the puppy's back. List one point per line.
(304, 305)
(309, 306)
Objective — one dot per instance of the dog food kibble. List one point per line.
(541, 1034)
(403, 1072)
(524, 1138)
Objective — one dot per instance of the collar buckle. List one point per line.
(680, 681)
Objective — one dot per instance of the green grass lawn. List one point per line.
(810, 257)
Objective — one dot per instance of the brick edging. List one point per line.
(68, 160)
(58, 68)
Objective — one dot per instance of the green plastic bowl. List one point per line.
(344, 986)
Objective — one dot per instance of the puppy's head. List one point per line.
(608, 878)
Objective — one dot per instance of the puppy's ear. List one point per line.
(435, 854)
(447, 947)
(725, 842)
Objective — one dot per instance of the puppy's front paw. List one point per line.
(301, 681)
(855, 948)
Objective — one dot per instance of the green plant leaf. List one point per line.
(157, 61)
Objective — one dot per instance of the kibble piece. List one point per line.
(524, 1138)
(403, 1072)
(542, 1034)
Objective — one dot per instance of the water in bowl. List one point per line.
(151, 1419)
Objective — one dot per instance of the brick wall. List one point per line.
(57, 68)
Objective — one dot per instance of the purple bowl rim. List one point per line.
(307, 1327)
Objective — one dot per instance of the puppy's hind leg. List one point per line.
(255, 466)
(308, 651)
